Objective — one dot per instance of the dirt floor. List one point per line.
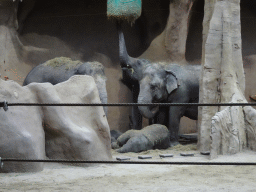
(128, 177)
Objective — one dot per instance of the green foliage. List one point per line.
(124, 9)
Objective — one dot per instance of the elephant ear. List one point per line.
(172, 81)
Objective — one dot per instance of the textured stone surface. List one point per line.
(67, 132)
(22, 134)
(224, 130)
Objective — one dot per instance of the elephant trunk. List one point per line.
(125, 59)
(147, 111)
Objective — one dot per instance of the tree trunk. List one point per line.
(223, 130)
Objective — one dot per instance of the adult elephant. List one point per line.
(61, 69)
(132, 69)
(170, 83)
(131, 74)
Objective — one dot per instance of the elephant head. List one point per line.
(132, 67)
(156, 85)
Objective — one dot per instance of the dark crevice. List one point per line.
(195, 29)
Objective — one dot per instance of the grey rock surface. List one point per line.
(56, 132)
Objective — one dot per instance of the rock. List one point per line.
(123, 158)
(144, 157)
(187, 154)
(70, 133)
(165, 155)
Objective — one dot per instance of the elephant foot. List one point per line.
(114, 145)
(174, 143)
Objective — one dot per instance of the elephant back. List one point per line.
(62, 61)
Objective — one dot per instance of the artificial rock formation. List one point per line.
(55, 132)
(223, 130)
(177, 29)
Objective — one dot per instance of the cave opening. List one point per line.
(195, 29)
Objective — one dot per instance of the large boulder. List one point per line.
(56, 132)
(22, 134)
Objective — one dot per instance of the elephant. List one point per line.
(114, 135)
(132, 69)
(61, 69)
(151, 137)
(131, 74)
(170, 83)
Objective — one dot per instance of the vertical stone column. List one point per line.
(222, 129)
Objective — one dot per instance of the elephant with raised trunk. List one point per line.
(132, 69)
(170, 83)
(61, 69)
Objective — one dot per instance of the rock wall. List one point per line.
(36, 132)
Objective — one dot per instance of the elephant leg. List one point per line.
(136, 117)
(151, 121)
(175, 113)
(162, 116)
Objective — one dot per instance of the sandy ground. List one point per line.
(127, 177)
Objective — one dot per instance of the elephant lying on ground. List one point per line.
(61, 69)
(151, 137)
(170, 83)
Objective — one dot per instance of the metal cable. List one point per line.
(127, 104)
(125, 162)
(6, 104)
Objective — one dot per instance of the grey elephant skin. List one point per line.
(114, 135)
(151, 137)
(61, 69)
(170, 83)
(132, 69)
(131, 74)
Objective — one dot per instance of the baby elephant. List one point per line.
(114, 135)
(155, 136)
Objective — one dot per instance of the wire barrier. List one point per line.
(5, 106)
(123, 162)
